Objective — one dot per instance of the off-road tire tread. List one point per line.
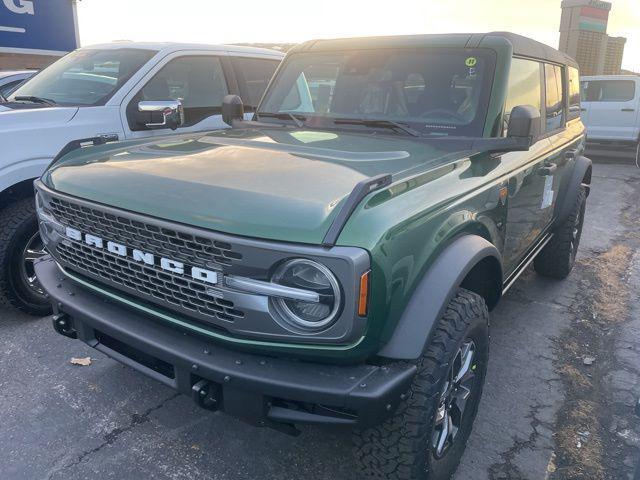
(554, 260)
(397, 448)
(11, 217)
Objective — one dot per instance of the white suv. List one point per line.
(611, 110)
(105, 93)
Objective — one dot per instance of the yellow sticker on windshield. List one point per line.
(471, 62)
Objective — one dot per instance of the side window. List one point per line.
(524, 86)
(609, 91)
(554, 95)
(199, 82)
(6, 90)
(253, 76)
(574, 93)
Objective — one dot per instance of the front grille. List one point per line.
(170, 243)
(156, 284)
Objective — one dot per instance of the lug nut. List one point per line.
(227, 378)
(194, 366)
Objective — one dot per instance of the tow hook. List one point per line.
(206, 395)
(63, 324)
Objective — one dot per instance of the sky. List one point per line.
(260, 21)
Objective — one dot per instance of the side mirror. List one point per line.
(161, 114)
(524, 123)
(232, 109)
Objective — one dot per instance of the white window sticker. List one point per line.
(547, 196)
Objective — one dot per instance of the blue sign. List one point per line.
(38, 26)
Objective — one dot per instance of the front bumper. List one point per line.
(258, 389)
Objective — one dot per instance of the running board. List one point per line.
(525, 263)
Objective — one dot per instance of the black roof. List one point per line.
(522, 46)
(527, 47)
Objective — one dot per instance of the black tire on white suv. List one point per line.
(20, 245)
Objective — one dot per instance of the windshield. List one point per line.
(84, 77)
(434, 91)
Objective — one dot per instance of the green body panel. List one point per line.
(288, 184)
(272, 183)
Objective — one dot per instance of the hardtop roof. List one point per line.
(170, 47)
(522, 46)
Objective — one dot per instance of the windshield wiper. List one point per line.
(378, 124)
(286, 115)
(34, 99)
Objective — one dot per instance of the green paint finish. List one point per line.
(272, 183)
(288, 184)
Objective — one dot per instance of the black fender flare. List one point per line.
(580, 178)
(432, 295)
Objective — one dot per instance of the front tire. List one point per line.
(20, 246)
(557, 258)
(425, 438)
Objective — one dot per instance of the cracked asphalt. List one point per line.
(545, 413)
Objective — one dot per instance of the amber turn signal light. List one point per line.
(363, 299)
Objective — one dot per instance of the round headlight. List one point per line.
(311, 276)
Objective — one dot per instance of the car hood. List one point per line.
(33, 117)
(270, 183)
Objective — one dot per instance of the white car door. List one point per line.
(196, 78)
(612, 109)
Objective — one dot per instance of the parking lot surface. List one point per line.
(563, 380)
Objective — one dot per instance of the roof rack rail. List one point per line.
(359, 192)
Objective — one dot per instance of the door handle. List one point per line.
(547, 169)
(628, 110)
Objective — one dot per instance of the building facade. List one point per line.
(35, 33)
(583, 36)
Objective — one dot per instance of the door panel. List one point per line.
(525, 216)
(612, 109)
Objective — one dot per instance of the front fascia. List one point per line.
(247, 258)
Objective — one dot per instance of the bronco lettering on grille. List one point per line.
(167, 264)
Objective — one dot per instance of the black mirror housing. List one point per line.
(232, 109)
(525, 122)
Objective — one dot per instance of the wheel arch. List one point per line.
(18, 191)
(580, 178)
(469, 261)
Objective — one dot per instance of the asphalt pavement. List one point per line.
(563, 380)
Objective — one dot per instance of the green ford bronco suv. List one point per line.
(333, 261)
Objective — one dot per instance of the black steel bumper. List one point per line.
(258, 389)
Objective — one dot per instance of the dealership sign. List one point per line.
(45, 27)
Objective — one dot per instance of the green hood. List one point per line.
(273, 183)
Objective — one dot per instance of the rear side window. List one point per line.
(253, 76)
(524, 86)
(574, 93)
(554, 95)
(609, 90)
